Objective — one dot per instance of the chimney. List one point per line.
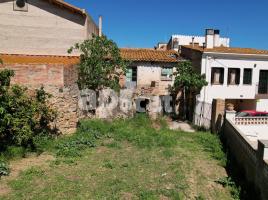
(217, 38)
(209, 38)
(100, 25)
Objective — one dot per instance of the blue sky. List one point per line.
(144, 23)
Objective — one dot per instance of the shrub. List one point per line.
(22, 116)
(4, 169)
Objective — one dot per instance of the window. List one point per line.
(131, 75)
(217, 76)
(233, 76)
(263, 82)
(247, 79)
(166, 73)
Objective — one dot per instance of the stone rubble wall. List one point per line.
(69, 101)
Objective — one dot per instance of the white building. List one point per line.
(42, 27)
(237, 75)
(176, 41)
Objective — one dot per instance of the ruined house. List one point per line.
(150, 76)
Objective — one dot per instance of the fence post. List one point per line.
(231, 115)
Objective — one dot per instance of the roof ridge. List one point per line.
(148, 49)
(231, 50)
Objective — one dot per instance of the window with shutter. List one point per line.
(166, 73)
(233, 76)
(217, 76)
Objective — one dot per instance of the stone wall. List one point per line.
(251, 160)
(72, 104)
(58, 80)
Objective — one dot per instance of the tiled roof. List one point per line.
(231, 50)
(150, 55)
(33, 59)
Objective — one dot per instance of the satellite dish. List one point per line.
(20, 3)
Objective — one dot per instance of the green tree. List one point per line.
(100, 64)
(187, 80)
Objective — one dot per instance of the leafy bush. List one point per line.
(4, 169)
(22, 116)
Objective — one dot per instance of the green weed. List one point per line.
(4, 169)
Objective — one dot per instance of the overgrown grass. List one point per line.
(125, 159)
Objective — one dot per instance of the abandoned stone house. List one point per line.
(150, 77)
(150, 71)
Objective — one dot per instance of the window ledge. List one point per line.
(261, 96)
(166, 79)
(216, 83)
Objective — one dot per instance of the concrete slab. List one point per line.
(180, 125)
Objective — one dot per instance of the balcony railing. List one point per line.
(251, 120)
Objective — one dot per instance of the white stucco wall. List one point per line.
(226, 91)
(187, 40)
(146, 73)
(262, 105)
(45, 29)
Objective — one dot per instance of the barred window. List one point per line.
(247, 79)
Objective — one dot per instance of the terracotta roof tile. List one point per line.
(149, 55)
(231, 50)
(34, 59)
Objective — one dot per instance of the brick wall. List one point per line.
(37, 74)
(58, 80)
